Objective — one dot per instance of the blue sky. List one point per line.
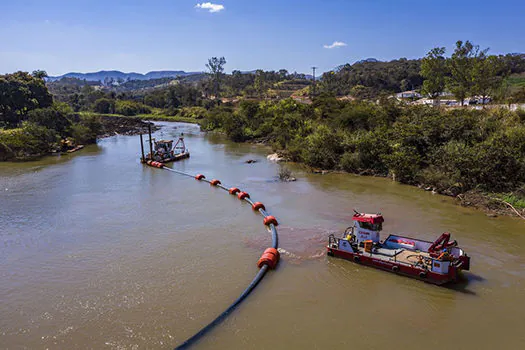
(81, 35)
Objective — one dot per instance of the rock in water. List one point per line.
(274, 158)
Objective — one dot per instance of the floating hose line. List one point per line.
(268, 260)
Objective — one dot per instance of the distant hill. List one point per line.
(116, 75)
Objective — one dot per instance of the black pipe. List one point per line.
(150, 143)
(191, 341)
(197, 336)
(142, 148)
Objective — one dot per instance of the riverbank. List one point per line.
(492, 204)
(451, 152)
(155, 116)
(31, 143)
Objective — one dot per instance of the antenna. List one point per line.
(313, 71)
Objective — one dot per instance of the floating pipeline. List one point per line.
(268, 260)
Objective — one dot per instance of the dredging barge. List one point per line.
(164, 150)
(437, 262)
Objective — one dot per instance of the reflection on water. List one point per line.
(98, 251)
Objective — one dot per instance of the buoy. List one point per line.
(234, 190)
(215, 182)
(270, 257)
(242, 195)
(270, 220)
(258, 205)
(200, 177)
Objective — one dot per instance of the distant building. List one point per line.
(408, 94)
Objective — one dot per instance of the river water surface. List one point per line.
(98, 251)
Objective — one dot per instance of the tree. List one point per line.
(260, 83)
(20, 93)
(53, 118)
(215, 67)
(485, 76)
(104, 106)
(329, 83)
(39, 74)
(461, 66)
(433, 69)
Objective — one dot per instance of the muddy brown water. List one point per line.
(100, 252)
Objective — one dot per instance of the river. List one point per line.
(98, 251)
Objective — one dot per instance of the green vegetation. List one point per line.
(469, 71)
(451, 150)
(32, 124)
(516, 200)
(517, 80)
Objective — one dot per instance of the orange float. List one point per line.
(258, 205)
(270, 257)
(270, 220)
(242, 195)
(234, 190)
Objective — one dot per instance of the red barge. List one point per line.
(437, 262)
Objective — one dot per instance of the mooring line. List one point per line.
(268, 260)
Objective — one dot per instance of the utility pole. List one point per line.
(313, 89)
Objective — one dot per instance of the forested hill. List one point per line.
(369, 78)
(116, 75)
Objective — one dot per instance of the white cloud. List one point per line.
(211, 7)
(335, 45)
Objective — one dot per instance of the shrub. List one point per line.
(104, 106)
(350, 162)
(323, 148)
(87, 129)
(193, 112)
(31, 139)
(233, 125)
(130, 108)
(51, 118)
(403, 163)
(81, 133)
(284, 173)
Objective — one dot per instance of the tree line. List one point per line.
(32, 123)
(467, 72)
(470, 71)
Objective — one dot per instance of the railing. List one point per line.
(333, 241)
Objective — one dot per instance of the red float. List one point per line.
(270, 257)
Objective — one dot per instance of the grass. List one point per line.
(157, 115)
(517, 80)
(168, 118)
(87, 113)
(517, 202)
